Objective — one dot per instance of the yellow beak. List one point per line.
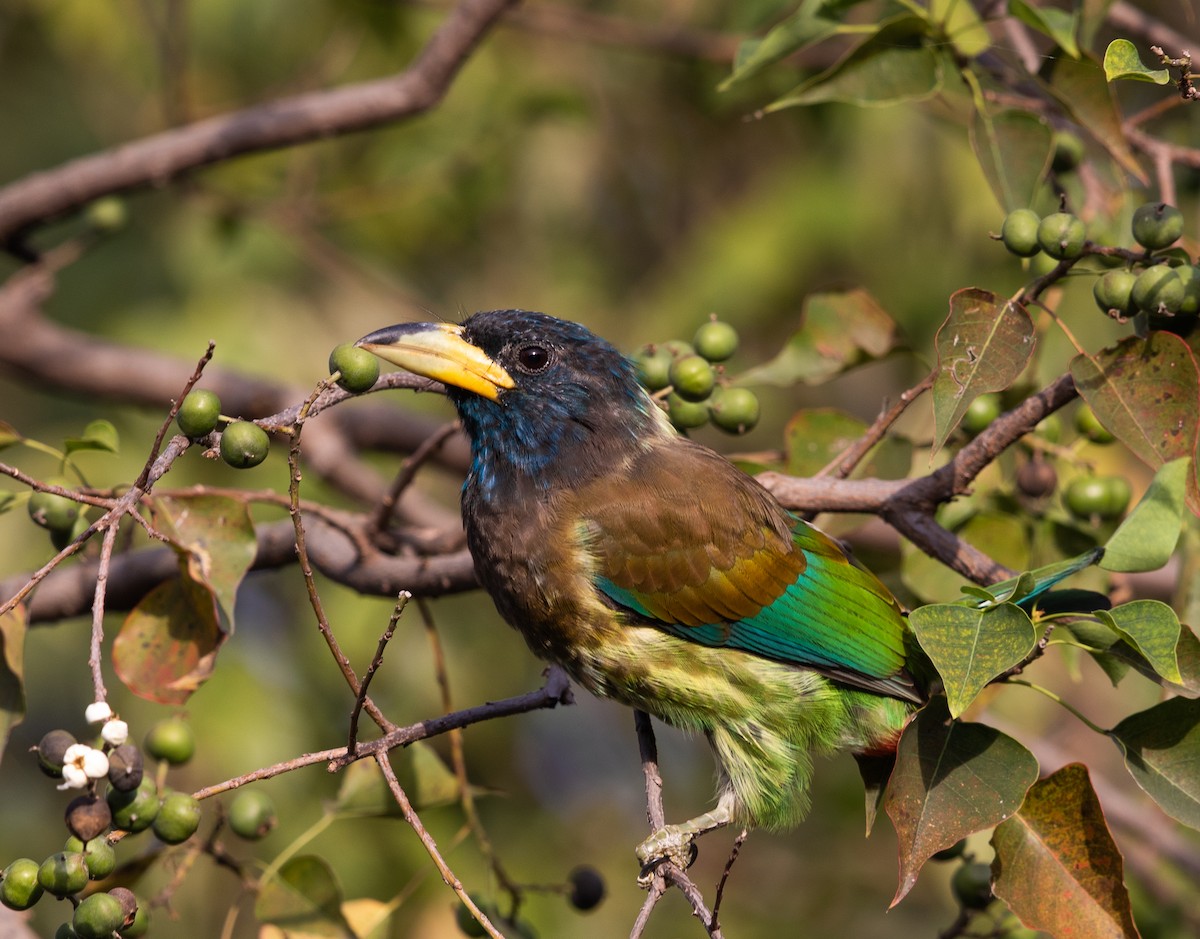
(438, 351)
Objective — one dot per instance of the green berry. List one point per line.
(1020, 232)
(1062, 235)
(980, 413)
(653, 365)
(252, 814)
(244, 444)
(972, 885)
(98, 854)
(1189, 276)
(65, 931)
(107, 214)
(51, 749)
(1157, 225)
(199, 413)
(1114, 291)
(1068, 152)
(134, 810)
(54, 512)
(716, 341)
(63, 874)
(587, 888)
(734, 410)
(178, 817)
(19, 887)
(692, 377)
(1104, 497)
(359, 368)
(1158, 289)
(1089, 425)
(140, 923)
(468, 925)
(98, 916)
(686, 415)
(955, 850)
(677, 348)
(171, 739)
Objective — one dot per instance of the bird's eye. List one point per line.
(533, 358)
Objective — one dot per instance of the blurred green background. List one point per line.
(598, 182)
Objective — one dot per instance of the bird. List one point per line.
(658, 574)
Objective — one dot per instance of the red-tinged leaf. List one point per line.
(12, 672)
(168, 644)
(837, 331)
(1056, 864)
(952, 778)
(216, 537)
(983, 346)
(1147, 393)
(1162, 751)
(1080, 85)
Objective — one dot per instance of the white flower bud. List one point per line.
(73, 777)
(82, 762)
(98, 711)
(115, 732)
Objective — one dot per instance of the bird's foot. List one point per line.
(675, 843)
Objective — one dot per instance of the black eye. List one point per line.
(533, 358)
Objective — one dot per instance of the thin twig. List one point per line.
(382, 513)
(733, 856)
(376, 661)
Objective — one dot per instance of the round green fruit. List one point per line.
(587, 888)
(141, 921)
(136, 809)
(98, 854)
(692, 377)
(64, 873)
(359, 368)
(716, 341)
(1114, 292)
(468, 925)
(955, 850)
(1068, 152)
(1062, 235)
(171, 739)
(252, 814)
(65, 931)
(1089, 425)
(686, 415)
(178, 817)
(1157, 225)
(1105, 497)
(980, 413)
(107, 214)
(51, 749)
(1189, 276)
(98, 916)
(735, 410)
(1019, 233)
(1158, 289)
(972, 885)
(199, 413)
(244, 444)
(53, 512)
(653, 364)
(677, 348)
(19, 886)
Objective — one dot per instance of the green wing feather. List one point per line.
(686, 541)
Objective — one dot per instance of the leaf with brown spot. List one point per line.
(1057, 866)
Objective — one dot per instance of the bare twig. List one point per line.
(376, 661)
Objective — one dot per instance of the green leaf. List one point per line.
(12, 672)
(798, 31)
(892, 66)
(1041, 579)
(1147, 538)
(1112, 653)
(1161, 747)
(1056, 864)
(814, 437)
(952, 778)
(837, 331)
(1145, 391)
(1014, 150)
(421, 772)
(7, 501)
(1080, 87)
(982, 346)
(8, 435)
(969, 647)
(1152, 628)
(961, 25)
(98, 435)
(303, 899)
(1059, 25)
(1121, 60)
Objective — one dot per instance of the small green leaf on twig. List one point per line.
(1121, 60)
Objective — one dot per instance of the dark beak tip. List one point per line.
(389, 334)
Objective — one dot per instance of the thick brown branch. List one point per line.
(286, 122)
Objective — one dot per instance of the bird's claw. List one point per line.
(666, 844)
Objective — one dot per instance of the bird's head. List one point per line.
(545, 401)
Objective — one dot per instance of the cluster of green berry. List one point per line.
(690, 376)
(132, 803)
(243, 443)
(584, 890)
(57, 514)
(971, 884)
(1165, 287)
